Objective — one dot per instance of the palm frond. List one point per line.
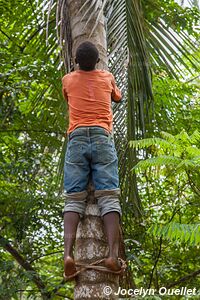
(194, 3)
(195, 137)
(189, 164)
(180, 151)
(173, 51)
(64, 34)
(176, 232)
(167, 136)
(144, 143)
(161, 160)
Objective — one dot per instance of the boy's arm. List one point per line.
(116, 95)
(64, 88)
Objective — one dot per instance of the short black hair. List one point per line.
(87, 56)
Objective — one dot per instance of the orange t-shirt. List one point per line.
(89, 95)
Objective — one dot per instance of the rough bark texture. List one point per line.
(91, 244)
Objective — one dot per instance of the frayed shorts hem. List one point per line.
(107, 200)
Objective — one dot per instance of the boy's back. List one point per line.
(89, 96)
(91, 151)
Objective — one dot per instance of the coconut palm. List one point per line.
(132, 45)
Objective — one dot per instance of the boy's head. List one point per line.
(87, 55)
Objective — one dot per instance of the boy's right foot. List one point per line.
(69, 266)
(113, 264)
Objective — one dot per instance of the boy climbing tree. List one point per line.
(90, 153)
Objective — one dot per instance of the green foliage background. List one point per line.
(162, 245)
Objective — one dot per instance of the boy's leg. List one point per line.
(74, 208)
(111, 223)
(108, 202)
(71, 220)
(76, 175)
(106, 181)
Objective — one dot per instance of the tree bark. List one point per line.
(91, 243)
(82, 25)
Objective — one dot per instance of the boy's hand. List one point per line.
(116, 101)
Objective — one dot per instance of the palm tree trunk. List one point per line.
(84, 27)
(91, 243)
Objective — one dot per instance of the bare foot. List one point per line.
(69, 266)
(113, 264)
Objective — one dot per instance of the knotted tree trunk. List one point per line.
(91, 244)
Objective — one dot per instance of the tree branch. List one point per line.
(4, 33)
(31, 130)
(63, 296)
(26, 265)
(183, 279)
(155, 264)
(48, 254)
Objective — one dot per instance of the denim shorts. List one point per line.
(91, 154)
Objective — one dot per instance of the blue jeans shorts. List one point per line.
(91, 153)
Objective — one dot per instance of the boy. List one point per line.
(90, 150)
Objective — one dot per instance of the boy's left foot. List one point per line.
(69, 266)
